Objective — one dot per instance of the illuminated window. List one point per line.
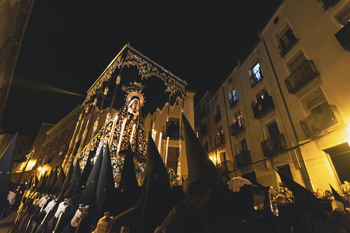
(255, 74)
(233, 97)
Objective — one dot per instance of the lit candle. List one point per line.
(160, 142)
(132, 133)
(166, 151)
(112, 131)
(121, 136)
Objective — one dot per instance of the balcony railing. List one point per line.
(285, 47)
(237, 127)
(274, 146)
(263, 106)
(255, 78)
(343, 36)
(306, 72)
(328, 3)
(243, 159)
(219, 139)
(233, 102)
(318, 122)
(217, 117)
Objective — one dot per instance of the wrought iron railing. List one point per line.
(243, 159)
(318, 122)
(343, 36)
(328, 3)
(263, 106)
(237, 127)
(219, 139)
(274, 146)
(285, 47)
(306, 72)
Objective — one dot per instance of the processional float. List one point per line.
(117, 129)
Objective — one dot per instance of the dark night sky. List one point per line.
(68, 44)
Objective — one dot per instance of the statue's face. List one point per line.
(134, 106)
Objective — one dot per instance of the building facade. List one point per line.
(14, 17)
(284, 107)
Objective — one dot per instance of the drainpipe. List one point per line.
(301, 163)
(234, 165)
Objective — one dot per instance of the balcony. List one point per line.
(329, 3)
(219, 139)
(306, 72)
(233, 102)
(243, 159)
(217, 117)
(255, 78)
(343, 36)
(274, 146)
(263, 106)
(320, 121)
(237, 127)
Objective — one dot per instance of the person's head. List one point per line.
(327, 193)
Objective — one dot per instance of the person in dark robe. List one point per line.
(309, 214)
(155, 202)
(7, 197)
(206, 205)
(88, 198)
(128, 192)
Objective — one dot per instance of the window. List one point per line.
(203, 128)
(173, 128)
(244, 145)
(255, 74)
(296, 63)
(233, 98)
(222, 157)
(220, 136)
(262, 95)
(287, 40)
(329, 3)
(314, 99)
(238, 124)
(273, 131)
(238, 119)
(343, 17)
(217, 109)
